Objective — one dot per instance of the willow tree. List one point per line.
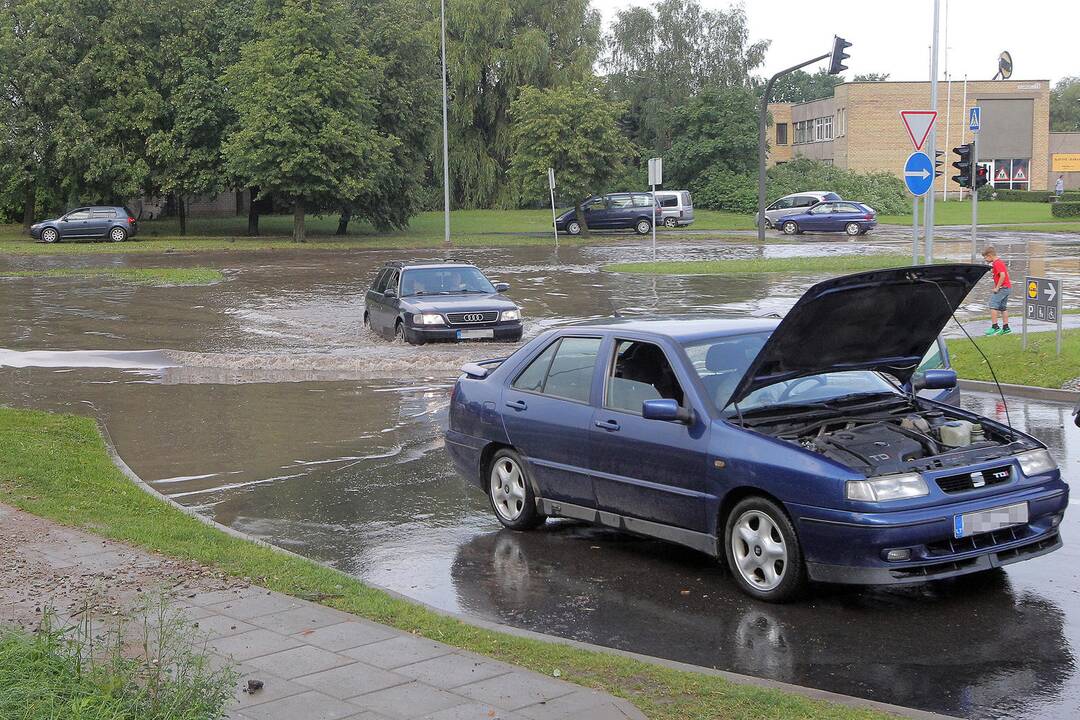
(494, 47)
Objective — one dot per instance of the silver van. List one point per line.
(794, 203)
(677, 207)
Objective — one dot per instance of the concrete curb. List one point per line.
(1025, 391)
(737, 678)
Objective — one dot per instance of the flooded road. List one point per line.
(261, 403)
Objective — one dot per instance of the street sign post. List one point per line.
(1042, 303)
(656, 177)
(918, 124)
(919, 173)
(974, 122)
(551, 187)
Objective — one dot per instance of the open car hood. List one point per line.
(882, 320)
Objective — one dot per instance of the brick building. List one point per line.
(859, 128)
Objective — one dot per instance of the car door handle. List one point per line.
(607, 425)
(516, 404)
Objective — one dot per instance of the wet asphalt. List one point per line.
(261, 402)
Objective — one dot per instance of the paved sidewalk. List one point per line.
(315, 663)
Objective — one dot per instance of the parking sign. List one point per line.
(1042, 303)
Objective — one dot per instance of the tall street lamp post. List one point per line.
(445, 134)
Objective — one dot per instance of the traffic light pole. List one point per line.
(974, 194)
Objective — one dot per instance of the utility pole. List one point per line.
(948, 104)
(445, 134)
(933, 133)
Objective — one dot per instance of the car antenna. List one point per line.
(945, 299)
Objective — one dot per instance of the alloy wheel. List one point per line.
(574, 228)
(852, 229)
(790, 228)
(670, 222)
(50, 235)
(117, 234)
(759, 550)
(507, 489)
(643, 227)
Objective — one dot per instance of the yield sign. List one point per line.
(918, 124)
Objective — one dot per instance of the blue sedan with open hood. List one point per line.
(795, 450)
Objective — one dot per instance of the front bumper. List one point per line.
(508, 331)
(846, 547)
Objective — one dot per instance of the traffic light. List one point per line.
(982, 176)
(963, 165)
(836, 61)
(938, 162)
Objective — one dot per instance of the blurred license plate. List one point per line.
(984, 521)
(475, 334)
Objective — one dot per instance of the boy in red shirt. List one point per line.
(999, 298)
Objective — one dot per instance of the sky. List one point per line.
(893, 36)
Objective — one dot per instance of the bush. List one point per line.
(1065, 209)
(725, 190)
(986, 192)
(880, 190)
(1040, 196)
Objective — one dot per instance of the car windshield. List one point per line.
(722, 362)
(444, 281)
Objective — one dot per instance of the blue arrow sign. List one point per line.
(974, 118)
(918, 173)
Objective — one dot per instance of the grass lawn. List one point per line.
(157, 277)
(826, 263)
(1059, 226)
(1039, 365)
(56, 466)
(955, 212)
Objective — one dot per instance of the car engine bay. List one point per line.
(902, 438)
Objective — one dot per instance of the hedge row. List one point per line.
(1036, 196)
(1065, 209)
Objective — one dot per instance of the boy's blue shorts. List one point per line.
(999, 299)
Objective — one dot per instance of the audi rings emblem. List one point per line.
(473, 317)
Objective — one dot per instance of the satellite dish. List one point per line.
(1005, 66)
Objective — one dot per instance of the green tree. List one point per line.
(801, 86)
(572, 129)
(871, 77)
(1065, 105)
(304, 97)
(494, 47)
(655, 61)
(716, 129)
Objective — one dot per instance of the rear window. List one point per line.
(686, 200)
(564, 369)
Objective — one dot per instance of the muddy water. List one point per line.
(262, 403)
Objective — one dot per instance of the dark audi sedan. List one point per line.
(422, 302)
(797, 450)
(113, 222)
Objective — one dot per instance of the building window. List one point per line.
(841, 122)
(781, 133)
(1011, 174)
(828, 128)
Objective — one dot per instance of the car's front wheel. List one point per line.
(671, 222)
(573, 227)
(118, 234)
(790, 228)
(763, 551)
(643, 227)
(511, 493)
(50, 235)
(852, 229)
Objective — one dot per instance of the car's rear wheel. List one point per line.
(573, 227)
(50, 235)
(852, 229)
(510, 492)
(790, 228)
(763, 551)
(671, 222)
(643, 227)
(118, 234)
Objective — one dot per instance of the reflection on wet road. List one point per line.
(260, 402)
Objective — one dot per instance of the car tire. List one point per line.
(50, 235)
(671, 222)
(642, 227)
(402, 335)
(117, 234)
(763, 551)
(510, 492)
(573, 227)
(790, 228)
(853, 229)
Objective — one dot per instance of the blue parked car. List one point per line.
(844, 216)
(796, 450)
(614, 211)
(113, 222)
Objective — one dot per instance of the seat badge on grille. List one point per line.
(977, 480)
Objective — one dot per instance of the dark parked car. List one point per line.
(113, 222)
(796, 450)
(615, 211)
(844, 216)
(445, 301)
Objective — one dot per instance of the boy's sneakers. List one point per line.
(1005, 330)
(995, 330)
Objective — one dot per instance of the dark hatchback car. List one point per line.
(615, 211)
(445, 301)
(796, 450)
(113, 222)
(843, 216)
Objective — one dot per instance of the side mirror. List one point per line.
(934, 380)
(64, 219)
(666, 410)
(390, 293)
(502, 287)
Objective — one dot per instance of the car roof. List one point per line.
(397, 264)
(680, 329)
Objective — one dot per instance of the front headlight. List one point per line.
(887, 487)
(510, 315)
(429, 319)
(1036, 462)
